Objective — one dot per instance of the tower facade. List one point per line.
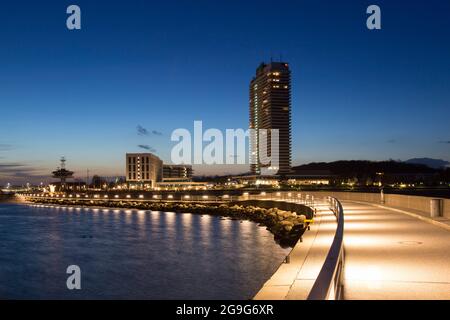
(270, 108)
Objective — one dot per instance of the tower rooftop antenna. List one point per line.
(63, 162)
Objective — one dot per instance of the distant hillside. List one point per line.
(364, 167)
(432, 163)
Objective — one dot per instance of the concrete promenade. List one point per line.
(295, 279)
(391, 255)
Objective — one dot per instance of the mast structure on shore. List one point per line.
(62, 173)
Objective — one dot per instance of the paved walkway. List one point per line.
(294, 280)
(439, 221)
(391, 255)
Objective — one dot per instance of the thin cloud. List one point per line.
(391, 141)
(10, 166)
(5, 147)
(20, 170)
(146, 147)
(157, 133)
(142, 131)
(445, 141)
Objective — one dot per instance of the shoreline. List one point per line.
(286, 226)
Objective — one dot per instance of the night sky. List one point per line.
(356, 93)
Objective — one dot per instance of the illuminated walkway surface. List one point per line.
(390, 255)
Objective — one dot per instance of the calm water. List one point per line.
(131, 254)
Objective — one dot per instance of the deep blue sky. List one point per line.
(357, 94)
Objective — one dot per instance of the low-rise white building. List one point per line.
(143, 169)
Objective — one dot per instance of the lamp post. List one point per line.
(380, 184)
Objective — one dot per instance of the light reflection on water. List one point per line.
(131, 254)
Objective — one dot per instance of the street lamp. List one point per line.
(380, 184)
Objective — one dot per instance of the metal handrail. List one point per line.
(328, 285)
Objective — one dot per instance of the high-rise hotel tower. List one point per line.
(270, 108)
